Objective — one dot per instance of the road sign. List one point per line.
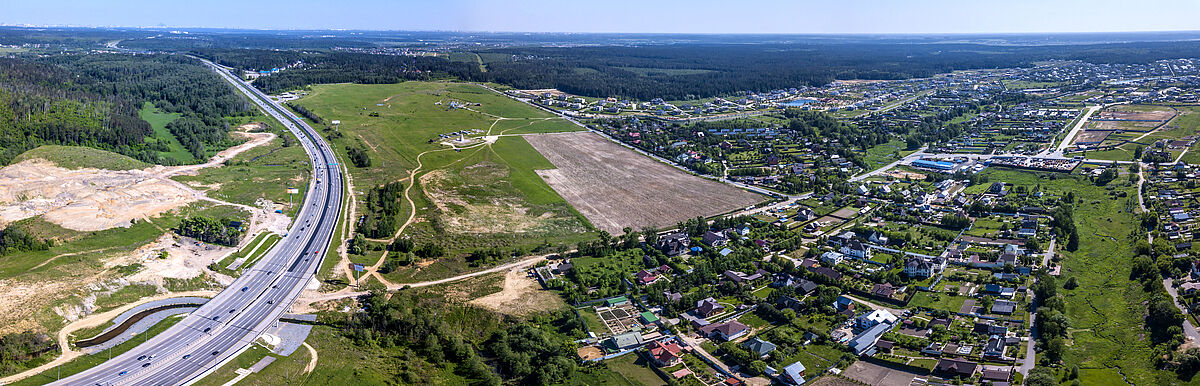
(357, 267)
(293, 191)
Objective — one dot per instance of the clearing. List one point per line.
(520, 296)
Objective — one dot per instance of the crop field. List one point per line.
(616, 188)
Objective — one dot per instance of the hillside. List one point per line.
(79, 157)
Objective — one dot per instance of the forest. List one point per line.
(335, 67)
(93, 100)
(482, 347)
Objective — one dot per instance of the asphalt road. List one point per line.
(231, 321)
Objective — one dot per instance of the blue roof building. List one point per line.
(938, 165)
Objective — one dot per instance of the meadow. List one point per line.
(1107, 330)
(478, 194)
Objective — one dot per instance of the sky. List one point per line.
(628, 16)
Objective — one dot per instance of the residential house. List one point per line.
(994, 347)
(842, 239)
(996, 374)
(1004, 307)
(789, 302)
(856, 249)
(827, 272)
(741, 278)
(626, 340)
(674, 244)
(665, 354)
(954, 367)
(865, 340)
(885, 291)
(708, 307)
(645, 277)
(714, 239)
(875, 317)
(832, 258)
(989, 328)
(999, 291)
(922, 266)
(724, 331)
(794, 373)
(878, 238)
(758, 347)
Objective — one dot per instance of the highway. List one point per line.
(226, 325)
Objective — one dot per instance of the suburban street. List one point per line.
(225, 326)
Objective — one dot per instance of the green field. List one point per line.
(483, 195)
(159, 120)
(884, 154)
(78, 157)
(1106, 310)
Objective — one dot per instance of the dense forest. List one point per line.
(336, 67)
(93, 100)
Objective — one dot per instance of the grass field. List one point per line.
(633, 369)
(484, 196)
(886, 153)
(159, 120)
(78, 157)
(79, 259)
(1106, 311)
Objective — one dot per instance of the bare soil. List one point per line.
(1092, 136)
(94, 199)
(522, 295)
(615, 187)
(1117, 113)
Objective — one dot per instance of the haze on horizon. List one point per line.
(625, 16)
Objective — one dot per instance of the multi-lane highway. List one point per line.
(231, 321)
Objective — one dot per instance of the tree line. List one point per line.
(93, 100)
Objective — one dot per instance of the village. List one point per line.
(925, 269)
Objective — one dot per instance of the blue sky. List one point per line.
(670, 16)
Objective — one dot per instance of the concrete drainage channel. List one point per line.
(157, 310)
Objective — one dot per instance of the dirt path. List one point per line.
(345, 293)
(92, 321)
(48, 261)
(373, 271)
(312, 362)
